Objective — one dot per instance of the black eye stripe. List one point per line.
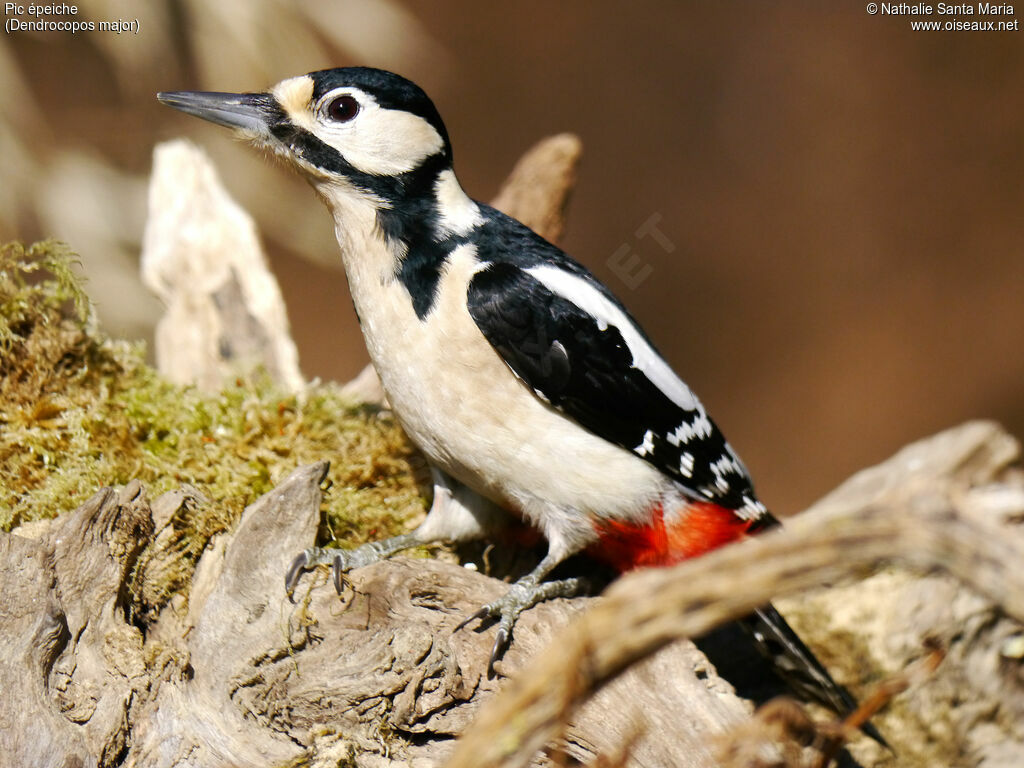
(342, 108)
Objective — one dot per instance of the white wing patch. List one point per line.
(605, 313)
(751, 509)
(728, 476)
(721, 468)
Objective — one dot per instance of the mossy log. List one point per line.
(244, 677)
(241, 676)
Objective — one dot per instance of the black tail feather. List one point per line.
(796, 664)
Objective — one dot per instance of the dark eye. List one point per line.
(343, 109)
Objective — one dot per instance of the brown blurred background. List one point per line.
(842, 196)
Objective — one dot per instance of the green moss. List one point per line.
(35, 286)
(79, 411)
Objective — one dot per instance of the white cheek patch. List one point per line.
(378, 141)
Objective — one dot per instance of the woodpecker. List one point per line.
(522, 379)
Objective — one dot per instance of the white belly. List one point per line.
(469, 414)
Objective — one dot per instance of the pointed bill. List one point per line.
(250, 113)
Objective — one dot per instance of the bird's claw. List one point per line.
(344, 560)
(502, 639)
(520, 596)
(306, 560)
(483, 613)
(338, 568)
(291, 576)
(506, 610)
(340, 560)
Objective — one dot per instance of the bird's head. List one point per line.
(361, 127)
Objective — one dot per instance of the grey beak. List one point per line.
(250, 112)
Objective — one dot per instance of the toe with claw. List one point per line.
(344, 560)
(524, 594)
(307, 560)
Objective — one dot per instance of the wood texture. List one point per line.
(538, 189)
(242, 677)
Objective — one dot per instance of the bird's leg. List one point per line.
(523, 594)
(456, 514)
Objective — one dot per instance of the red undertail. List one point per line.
(699, 528)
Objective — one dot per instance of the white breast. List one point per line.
(469, 414)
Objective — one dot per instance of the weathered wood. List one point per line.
(242, 677)
(202, 257)
(70, 666)
(538, 189)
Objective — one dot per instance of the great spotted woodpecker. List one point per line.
(523, 380)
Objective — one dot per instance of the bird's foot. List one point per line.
(524, 594)
(344, 560)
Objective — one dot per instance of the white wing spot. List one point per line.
(647, 446)
(725, 465)
(686, 464)
(751, 509)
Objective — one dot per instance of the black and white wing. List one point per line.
(566, 337)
